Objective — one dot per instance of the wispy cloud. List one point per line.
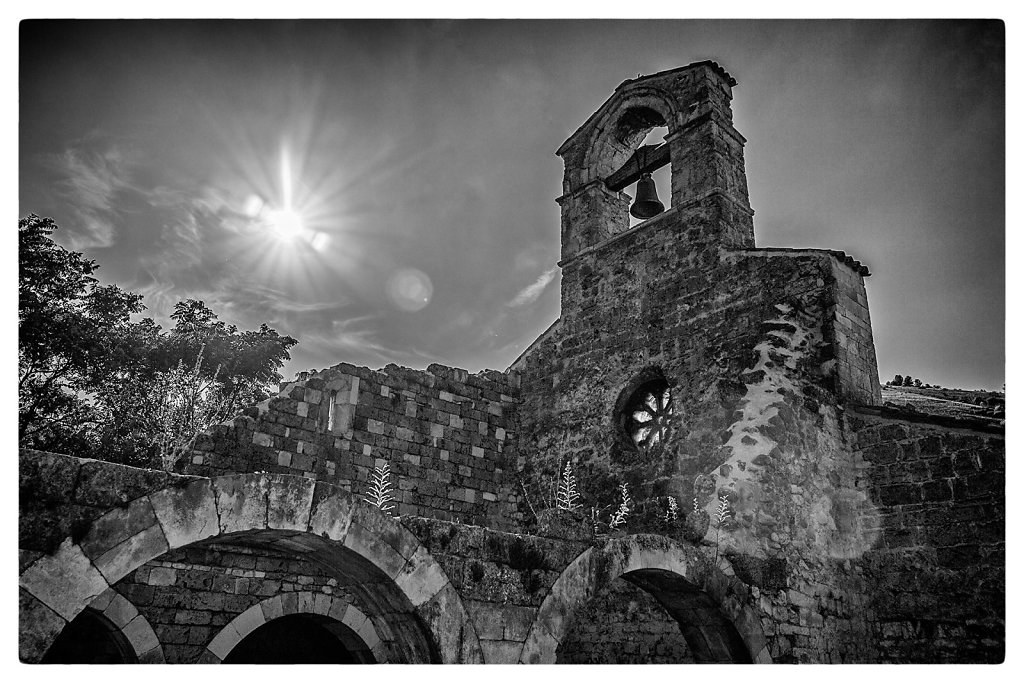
(91, 181)
(532, 292)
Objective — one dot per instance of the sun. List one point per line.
(285, 224)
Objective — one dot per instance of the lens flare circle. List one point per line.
(410, 289)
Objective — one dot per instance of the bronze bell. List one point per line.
(647, 203)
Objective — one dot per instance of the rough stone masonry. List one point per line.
(777, 512)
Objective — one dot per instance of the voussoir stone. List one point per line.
(242, 502)
(187, 514)
(65, 581)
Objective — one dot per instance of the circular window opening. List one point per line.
(648, 414)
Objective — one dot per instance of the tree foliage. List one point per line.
(93, 382)
(72, 332)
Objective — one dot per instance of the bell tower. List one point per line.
(687, 362)
(705, 151)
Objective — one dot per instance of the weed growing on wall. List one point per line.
(380, 494)
(619, 518)
(672, 514)
(187, 403)
(721, 514)
(567, 497)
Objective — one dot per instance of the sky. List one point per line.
(384, 191)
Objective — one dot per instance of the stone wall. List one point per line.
(936, 578)
(664, 301)
(448, 436)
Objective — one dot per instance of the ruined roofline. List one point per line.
(541, 337)
(715, 66)
(844, 258)
(893, 412)
(497, 379)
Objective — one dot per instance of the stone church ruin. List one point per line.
(777, 510)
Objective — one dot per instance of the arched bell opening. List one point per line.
(634, 159)
(301, 639)
(90, 638)
(652, 192)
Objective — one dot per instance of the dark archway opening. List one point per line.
(301, 639)
(90, 638)
(651, 616)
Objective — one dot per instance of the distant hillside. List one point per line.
(960, 403)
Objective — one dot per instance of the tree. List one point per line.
(72, 331)
(917, 382)
(908, 381)
(897, 381)
(97, 384)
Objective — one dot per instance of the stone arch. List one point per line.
(298, 602)
(317, 520)
(607, 149)
(681, 577)
(135, 628)
(131, 630)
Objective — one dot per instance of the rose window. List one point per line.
(649, 414)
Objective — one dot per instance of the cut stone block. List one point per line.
(65, 581)
(187, 514)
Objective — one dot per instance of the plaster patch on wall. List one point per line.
(778, 354)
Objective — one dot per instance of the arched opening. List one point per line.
(651, 616)
(600, 595)
(623, 624)
(368, 561)
(90, 638)
(301, 639)
(662, 176)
